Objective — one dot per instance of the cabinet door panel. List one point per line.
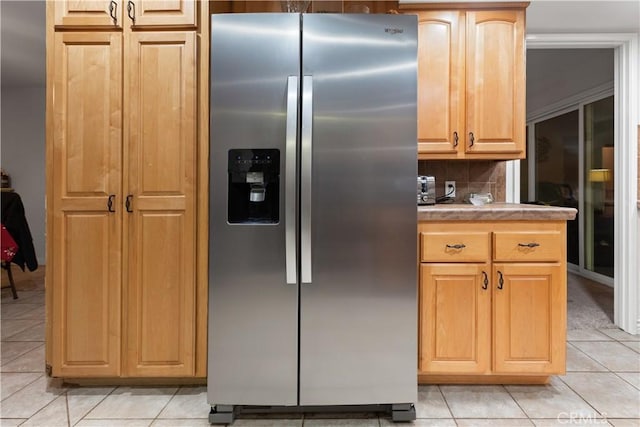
(88, 13)
(440, 81)
(161, 227)
(529, 318)
(164, 13)
(495, 82)
(86, 237)
(455, 317)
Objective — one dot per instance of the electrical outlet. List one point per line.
(450, 188)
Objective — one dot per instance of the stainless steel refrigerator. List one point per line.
(312, 265)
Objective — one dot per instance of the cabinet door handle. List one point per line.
(529, 245)
(113, 6)
(455, 139)
(128, 203)
(472, 139)
(485, 281)
(110, 203)
(131, 11)
(500, 280)
(458, 246)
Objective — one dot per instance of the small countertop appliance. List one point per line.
(426, 190)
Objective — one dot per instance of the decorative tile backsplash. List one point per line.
(471, 176)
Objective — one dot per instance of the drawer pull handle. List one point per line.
(455, 139)
(529, 245)
(128, 203)
(500, 280)
(485, 282)
(472, 139)
(458, 246)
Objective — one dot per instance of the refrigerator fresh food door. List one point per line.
(253, 290)
(358, 309)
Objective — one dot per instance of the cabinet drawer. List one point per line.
(454, 247)
(528, 246)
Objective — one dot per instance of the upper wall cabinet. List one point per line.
(121, 13)
(471, 84)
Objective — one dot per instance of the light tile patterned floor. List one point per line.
(601, 387)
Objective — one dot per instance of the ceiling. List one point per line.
(22, 29)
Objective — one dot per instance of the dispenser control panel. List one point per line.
(254, 186)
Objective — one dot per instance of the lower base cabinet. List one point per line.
(492, 301)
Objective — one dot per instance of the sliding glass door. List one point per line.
(570, 163)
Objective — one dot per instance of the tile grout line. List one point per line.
(517, 403)
(26, 385)
(444, 399)
(165, 405)
(4, 362)
(94, 406)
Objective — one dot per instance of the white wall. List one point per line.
(22, 137)
(554, 75)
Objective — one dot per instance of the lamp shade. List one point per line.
(599, 175)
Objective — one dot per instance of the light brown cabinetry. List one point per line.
(137, 13)
(471, 84)
(492, 301)
(122, 270)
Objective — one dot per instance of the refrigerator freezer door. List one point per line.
(253, 311)
(358, 337)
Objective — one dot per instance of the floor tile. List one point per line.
(587, 335)
(114, 422)
(189, 422)
(34, 333)
(551, 422)
(81, 400)
(22, 311)
(11, 350)
(32, 398)
(13, 326)
(633, 345)
(188, 402)
(632, 378)
(493, 422)
(620, 335)
(11, 422)
(480, 402)
(421, 422)
(52, 415)
(345, 422)
(431, 403)
(577, 361)
(606, 393)
(612, 355)
(31, 361)
(12, 382)
(133, 402)
(622, 422)
(549, 401)
(24, 297)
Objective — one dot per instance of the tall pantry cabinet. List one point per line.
(122, 189)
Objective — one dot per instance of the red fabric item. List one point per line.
(9, 246)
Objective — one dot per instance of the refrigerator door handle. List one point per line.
(306, 174)
(290, 182)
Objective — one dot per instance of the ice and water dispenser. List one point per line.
(254, 186)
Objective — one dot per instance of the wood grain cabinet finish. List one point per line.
(87, 219)
(455, 319)
(125, 13)
(161, 174)
(500, 319)
(123, 166)
(471, 84)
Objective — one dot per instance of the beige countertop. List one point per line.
(494, 212)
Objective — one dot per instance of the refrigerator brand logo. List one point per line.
(394, 30)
